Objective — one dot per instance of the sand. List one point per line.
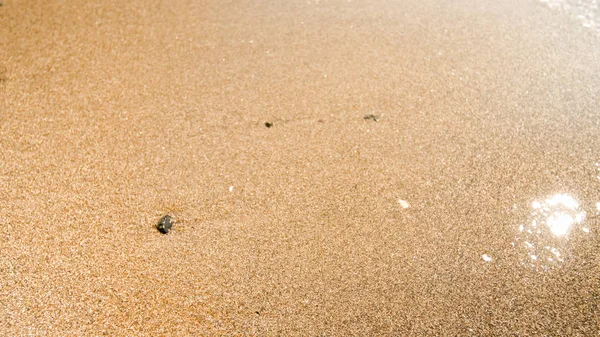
(437, 218)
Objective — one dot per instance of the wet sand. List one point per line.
(467, 208)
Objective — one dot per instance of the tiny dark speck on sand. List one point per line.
(371, 117)
(268, 124)
(165, 224)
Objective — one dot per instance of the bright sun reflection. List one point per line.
(560, 212)
(560, 223)
(564, 200)
(544, 234)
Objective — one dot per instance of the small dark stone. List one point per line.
(371, 117)
(268, 124)
(165, 224)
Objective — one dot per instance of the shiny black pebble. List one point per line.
(165, 224)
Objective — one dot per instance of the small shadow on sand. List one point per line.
(3, 74)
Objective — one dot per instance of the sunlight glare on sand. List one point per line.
(559, 212)
(587, 12)
(560, 223)
(544, 233)
(561, 220)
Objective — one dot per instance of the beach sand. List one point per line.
(467, 207)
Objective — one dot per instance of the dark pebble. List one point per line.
(371, 117)
(165, 224)
(268, 124)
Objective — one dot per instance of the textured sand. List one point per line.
(114, 113)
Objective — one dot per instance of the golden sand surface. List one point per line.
(468, 207)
